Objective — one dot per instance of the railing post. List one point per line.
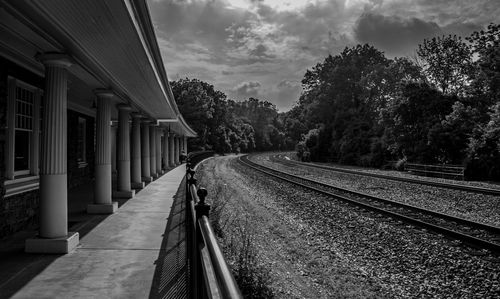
(202, 208)
(190, 180)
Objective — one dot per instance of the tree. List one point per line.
(449, 139)
(336, 94)
(194, 100)
(412, 115)
(486, 44)
(484, 148)
(225, 125)
(262, 116)
(447, 63)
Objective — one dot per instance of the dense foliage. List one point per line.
(224, 125)
(360, 107)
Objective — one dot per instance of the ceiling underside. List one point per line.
(112, 43)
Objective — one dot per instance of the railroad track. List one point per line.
(474, 189)
(475, 234)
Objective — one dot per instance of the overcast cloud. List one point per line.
(262, 48)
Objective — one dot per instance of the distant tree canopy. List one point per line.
(360, 107)
(225, 125)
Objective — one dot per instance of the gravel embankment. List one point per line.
(318, 248)
(404, 174)
(472, 206)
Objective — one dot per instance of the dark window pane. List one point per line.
(22, 150)
(82, 125)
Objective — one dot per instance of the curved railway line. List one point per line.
(476, 234)
(474, 189)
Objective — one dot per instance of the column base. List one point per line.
(108, 208)
(147, 179)
(155, 175)
(123, 194)
(57, 245)
(140, 185)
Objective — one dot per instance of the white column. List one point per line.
(135, 151)
(171, 149)
(158, 150)
(53, 234)
(102, 188)
(113, 148)
(177, 150)
(123, 184)
(165, 150)
(180, 148)
(152, 150)
(145, 163)
(185, 145)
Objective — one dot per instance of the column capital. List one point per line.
(124, 107)
(136, 115)
(146, 121)
(104, 93)
(54, 59)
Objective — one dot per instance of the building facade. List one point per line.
(83, 96)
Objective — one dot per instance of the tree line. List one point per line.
(361, 108)
(225, 125)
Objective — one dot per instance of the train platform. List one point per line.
(138, 252)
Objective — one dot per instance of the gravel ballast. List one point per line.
(318, 248)
(472, 206)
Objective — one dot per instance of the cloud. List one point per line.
(461, 29)
(286, 84)
(248, 89)
(261, 52)
(229, 43)
(285, 94)
(197, 22)
(394, 35)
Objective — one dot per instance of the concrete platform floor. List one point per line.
(138, 252)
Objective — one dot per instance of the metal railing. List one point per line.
(442, 171)
(210, 274)
(196, 157)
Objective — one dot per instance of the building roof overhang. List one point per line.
(111, 41)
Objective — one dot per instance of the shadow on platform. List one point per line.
(172, 275)
(18, 268)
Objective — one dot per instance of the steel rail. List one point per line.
(463, 221)
(474, 189)
(495, 247)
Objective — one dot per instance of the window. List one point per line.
(23, 130)
(23, 123)
(82, 142)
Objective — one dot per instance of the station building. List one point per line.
(84, 97)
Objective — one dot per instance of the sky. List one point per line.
(262, 48)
